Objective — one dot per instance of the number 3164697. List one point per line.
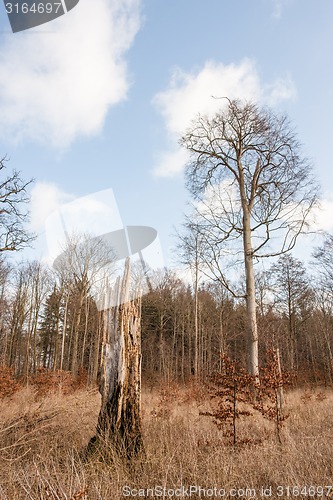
(35, 8)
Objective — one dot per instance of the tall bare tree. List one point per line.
(251, 185)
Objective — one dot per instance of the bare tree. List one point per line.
(15, 350)
(293, 297)
(5, 270)
(83, 264)
(13, 199)
(189, 252)
(38, 281)
(324, 264)
(251, 185)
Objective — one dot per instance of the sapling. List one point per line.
(230, 388)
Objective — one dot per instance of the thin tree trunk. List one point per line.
(280, 395)
(96, 351)
(75, 351)
(56, 344)
(64, 327)
(196, 312)
(27, 348)
(161, 347)
(183, 350)
(85, 332)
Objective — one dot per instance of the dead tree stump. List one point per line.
(119, 421)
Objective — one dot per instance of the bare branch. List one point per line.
(250, 182)
(13, 216)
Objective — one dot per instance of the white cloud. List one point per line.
(45, 199)
(322, 216)
(59, 81)
(171, 162)
(320, 222)
(280, 90)
(57, 214)
(193, 93)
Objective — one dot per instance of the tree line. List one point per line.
(50, 323)
(252, 194)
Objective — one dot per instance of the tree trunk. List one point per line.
(119, 422)
(196, 312)
(75, 361)
(253, 361)
(280, 395)
(95, 371)
(85, 335)
(64, 333)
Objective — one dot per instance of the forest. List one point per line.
(54, 325)
(253, 193)
(200, 377)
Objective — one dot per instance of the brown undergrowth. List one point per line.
(42, 443)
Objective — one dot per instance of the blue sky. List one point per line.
(98, 98)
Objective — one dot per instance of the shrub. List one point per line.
(8, 383)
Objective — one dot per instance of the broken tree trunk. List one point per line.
(119, 422)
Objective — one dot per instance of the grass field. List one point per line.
(43, 442)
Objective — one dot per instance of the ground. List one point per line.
(44, 438)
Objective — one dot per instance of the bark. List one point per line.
(84, 342)
(74, 362)
(253, 358)
(95, 352)
(119, 422)
(280, 395)
(64, 333)
(196, 312)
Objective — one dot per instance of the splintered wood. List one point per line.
(119, 422)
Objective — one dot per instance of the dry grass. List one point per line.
(43, 440)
